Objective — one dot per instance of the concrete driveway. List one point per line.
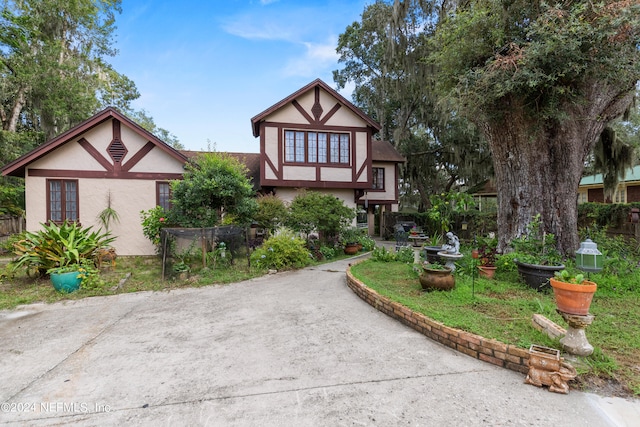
(290, 349)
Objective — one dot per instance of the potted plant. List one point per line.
(436, 276)
(68, 277)
(536, 255)
(573, 294)
(350, 239)
(487, 256)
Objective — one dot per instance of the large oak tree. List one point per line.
(541, 81)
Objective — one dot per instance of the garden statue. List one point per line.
(453, 244)
(450, 252)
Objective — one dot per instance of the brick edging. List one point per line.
(488, 350)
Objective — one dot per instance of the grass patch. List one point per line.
(141, 273)
(502, 309)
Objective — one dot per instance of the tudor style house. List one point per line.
(312, 139)
(316, 139)
(107, 160)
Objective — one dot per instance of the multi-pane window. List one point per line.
(163, 195)
(378, 179)
(316, 147)
(62, 197)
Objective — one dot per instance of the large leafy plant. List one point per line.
(58, 246)
(536, 246)
(281, 252)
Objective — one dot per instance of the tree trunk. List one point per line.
(12, 123)
(538, 164)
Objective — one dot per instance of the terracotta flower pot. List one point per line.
(435, 279)
(487, 271)
(572, 298)
(351, 249)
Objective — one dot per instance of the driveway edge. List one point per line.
(487, 350)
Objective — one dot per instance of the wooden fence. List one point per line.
(10, 225)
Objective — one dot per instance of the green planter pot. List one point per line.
(66, 282)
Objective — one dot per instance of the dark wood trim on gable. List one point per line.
(138, 156)
(70, 173)
(316, 85)
(95, 154)
(330, 114)
(19, 166)
(303, 112)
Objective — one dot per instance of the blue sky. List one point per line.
(205, 68)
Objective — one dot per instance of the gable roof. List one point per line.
(384, 151)
(255, 121)
(18, 166)
(632, 175)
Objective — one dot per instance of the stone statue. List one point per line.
(453, 244)
(542, 374)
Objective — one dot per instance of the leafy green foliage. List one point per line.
(212, 183)
(55, 73)
(314, 211)
(404, 255)
(272, 212)
(536, 246)
(350, 235)
(488, 251)
(383, 56)
(152, 221)
(569, 276)
(445, 206)
(281, 252)
(58, 246)
(367, 243)
(382, 254)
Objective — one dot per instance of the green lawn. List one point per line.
(503, 308)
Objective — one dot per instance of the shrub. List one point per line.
(282, 251)
(213, 183)
(314, 211)
(152, 221)
(367, 243)
(405, 255)
(382, 254)
(272, 212)
(328, 252)
(58, 246)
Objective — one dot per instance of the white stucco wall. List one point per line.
(128, 196)
(389, 182)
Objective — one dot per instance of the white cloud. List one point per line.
(265, 30)
(317, 58)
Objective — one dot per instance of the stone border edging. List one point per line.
(487, 350)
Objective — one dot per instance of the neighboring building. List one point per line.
(591, 188)
(316, 139)
(312, 139)
(106, 159)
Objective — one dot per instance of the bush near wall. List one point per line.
(612, 216)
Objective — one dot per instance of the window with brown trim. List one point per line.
(163, 195)
(378, 179)
(62, 200)
(316, 147)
